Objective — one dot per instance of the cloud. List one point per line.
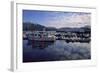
(68, 20)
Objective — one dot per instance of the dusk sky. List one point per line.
(57, 19)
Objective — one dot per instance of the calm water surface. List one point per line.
(55, 51)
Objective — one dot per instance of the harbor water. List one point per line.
(58, 50)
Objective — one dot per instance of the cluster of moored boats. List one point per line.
(48, 36)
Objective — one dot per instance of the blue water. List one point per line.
(55, 51)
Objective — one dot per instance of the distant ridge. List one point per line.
(33, 26)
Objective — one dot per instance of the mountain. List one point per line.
(33, 26)
(38, 27)
(51, 29)
(75, 29)
(72, 29)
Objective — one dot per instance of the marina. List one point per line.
(54, 35)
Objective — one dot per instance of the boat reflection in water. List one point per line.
(37, 51)
(40, 44)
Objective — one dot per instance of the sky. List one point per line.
(57, 19)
